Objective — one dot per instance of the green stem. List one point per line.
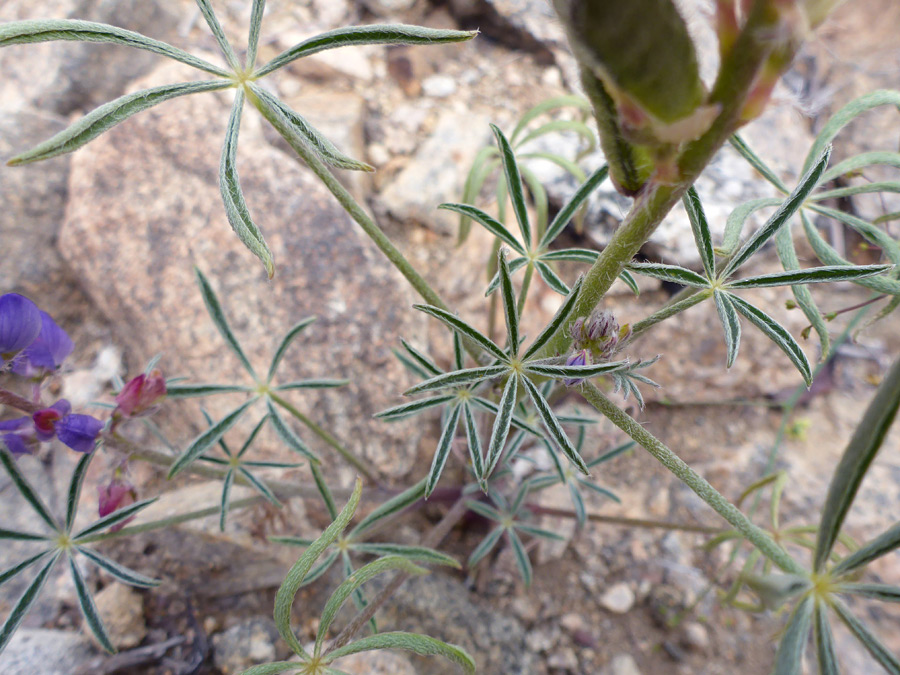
(735, 79)
(537, 509)
(170, 520)
(352, 207)
(526, 282)
(692, 479)
(354, 461)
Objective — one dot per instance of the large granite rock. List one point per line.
(145, 208)
(66, 77)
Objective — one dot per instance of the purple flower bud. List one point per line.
(140, 394)
(119, 493)
(46, 353)
(579, 358)
(576, 330)
(79, 432)
(20, 324)
(602, 325)
(18, 436)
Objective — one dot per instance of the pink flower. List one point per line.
(118, 494)
(141, 394)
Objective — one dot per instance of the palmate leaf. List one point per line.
(776, 333)
(849, 473)
(284, 598)
(109, 115)
(46, 30)
(233, 197)
(443, 450)
(208, 438)
(388, 34)
(784, 213)
(410, 642)
(514, 185)
(296, 130)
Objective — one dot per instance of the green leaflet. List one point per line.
(418, 644)
(109, 115)
(45, 30)
(209, 437)
(860, 452)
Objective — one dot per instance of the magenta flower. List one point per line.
(45, 354)
(112, 497)
(20, 324)
(141, 394)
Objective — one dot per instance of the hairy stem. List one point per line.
(539, 510)
(692, 479)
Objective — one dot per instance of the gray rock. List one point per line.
(48, 652)
(436, 172)
(247, 644)
(444, 609)
(68, 77)
(622, 664)
(145, 207)
(376, 663)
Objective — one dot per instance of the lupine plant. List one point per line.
(658, 126)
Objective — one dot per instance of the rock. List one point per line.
(573, 622)
(444, 609)
(376, 663)
(69, 77)
(389, 7)
(48, 652)
(121, 609)
(145, 207)
(622, 664)
(696, 636)
(436, 172)
(439, 86)
(618, 598)
(34, 200)
(565, 659)
(247, 644)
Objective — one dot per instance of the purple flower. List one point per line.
(18, 435)
(46, 353)
(579, 358)
(20, 324)
(79, 432)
